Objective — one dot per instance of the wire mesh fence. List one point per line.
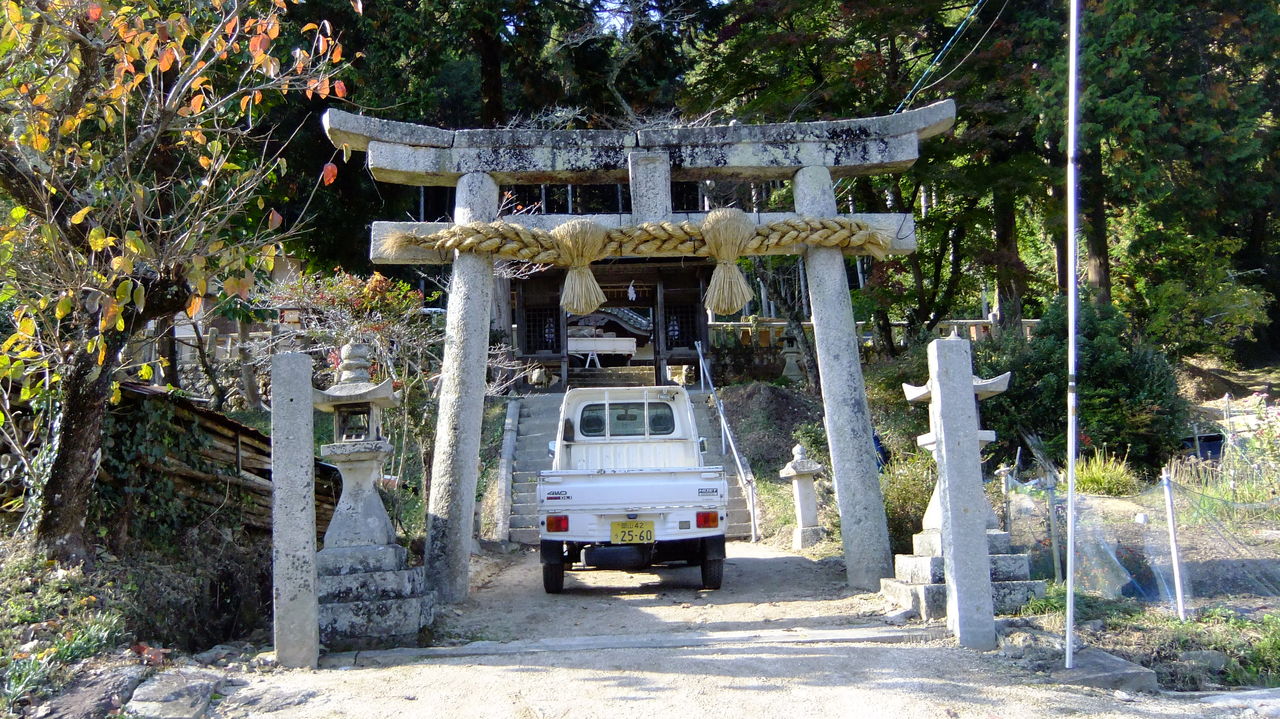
(1210, 532)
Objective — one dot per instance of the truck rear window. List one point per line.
(625, 419)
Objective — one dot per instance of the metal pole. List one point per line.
(1172, 521)
(1073, 302)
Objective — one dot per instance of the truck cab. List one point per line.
(627, 488)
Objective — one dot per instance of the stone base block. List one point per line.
(1008, 597)
(929, 543)
(929, 570)
(371, 586)
(930, 600)
(381, 618)
(802, 537)
(1096, 668)
(355, 560)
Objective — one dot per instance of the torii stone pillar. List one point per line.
(455, 469)
(864, 529)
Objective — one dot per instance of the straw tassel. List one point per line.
(580, 242)
(727, 232)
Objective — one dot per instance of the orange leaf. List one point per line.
(95, 12)
(232, 25)
(193, 307)
(197, 102)
(340, 88)
(337, 52)
(167, 56)
(323, 88)
(358, 6)
(329, 174)
(274, 219)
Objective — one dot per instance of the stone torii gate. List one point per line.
(479, 161)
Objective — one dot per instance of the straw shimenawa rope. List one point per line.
(726, 232)
(580, 242)
(510, 241)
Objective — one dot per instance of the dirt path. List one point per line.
(762, 588)
(766, 592)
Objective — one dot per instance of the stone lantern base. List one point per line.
(369, 600)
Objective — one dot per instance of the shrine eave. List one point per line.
(410, 154)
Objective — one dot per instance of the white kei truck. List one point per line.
(627, 488)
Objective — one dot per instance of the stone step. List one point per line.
(930, 600)
(533, 454)
(929, 570)
(380, 618)
(524, 536)
(929, 543)
(738, 530)
(524, 521)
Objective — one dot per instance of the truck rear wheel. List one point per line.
(712, 573)
(553, 578)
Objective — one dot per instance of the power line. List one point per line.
(937, 60)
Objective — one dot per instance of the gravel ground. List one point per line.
(764, 589)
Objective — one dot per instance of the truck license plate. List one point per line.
(631, 532)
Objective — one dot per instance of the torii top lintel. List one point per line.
(410, 154)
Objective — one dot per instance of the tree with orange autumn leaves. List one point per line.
(135, 156)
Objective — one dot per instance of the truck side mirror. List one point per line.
(568, 430)
(702, 444)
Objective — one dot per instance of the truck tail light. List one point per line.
(708, 520)
(559, 523)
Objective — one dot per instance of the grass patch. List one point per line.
(1160, 641)
(1107, 474)
(51, 618)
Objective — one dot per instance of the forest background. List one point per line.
(109, 223)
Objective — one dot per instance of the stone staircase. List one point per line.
(919, 582)
(638, 376)
(539, 414)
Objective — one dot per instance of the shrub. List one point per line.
(907, 483)
(1128, 395)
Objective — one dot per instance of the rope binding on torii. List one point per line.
(725, 235)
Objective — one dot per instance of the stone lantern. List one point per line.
(801, 471)
(358, 451)
(791, 354)
(369, 597)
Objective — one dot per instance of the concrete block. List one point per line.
(354, 560)
(365, 586)
(929, 543)
(929, 570)
(1008, 597)
(1096, 668)
(927, 600)
(930, 600)
(802, 537)
(383, 617)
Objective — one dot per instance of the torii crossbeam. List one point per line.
(477, 162)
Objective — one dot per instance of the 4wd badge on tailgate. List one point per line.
(558, 494)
